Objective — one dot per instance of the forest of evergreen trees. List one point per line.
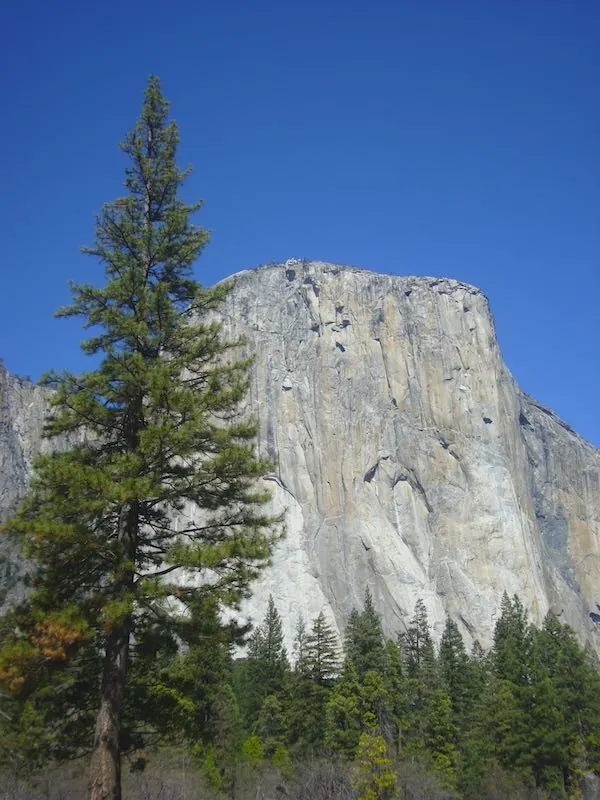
(383, 719)
(523, 717)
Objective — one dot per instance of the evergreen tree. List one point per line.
(317, 665)
(221, 755)
(343, 714)
(507, 729)
(155, 430)
(375, 778)
(300, 641)
(266, 647)
(417, 645)
(266, 667)
(270, 725)
(305, 713)
(376, 700)
(364, 641)
(474, 735)
(512, 642)
(453, 661)
(529, 726)
(547, 744)
(272, 650)
(440, 735)
(395, 682)
(321, 658)
(176, 692)
(575, 685)
(421, 678)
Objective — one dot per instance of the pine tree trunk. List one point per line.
(105, 767)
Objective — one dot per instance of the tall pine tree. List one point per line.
(364, 640)
(322, 659)
(156, 431)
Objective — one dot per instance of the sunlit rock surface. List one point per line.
(406, 456)
(22, 409)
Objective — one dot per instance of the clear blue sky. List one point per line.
(456, 138)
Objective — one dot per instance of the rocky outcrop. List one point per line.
(22, 410)
(407, 458)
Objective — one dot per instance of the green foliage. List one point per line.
(253, 751)
(420, 682)
(210, 769)
(309, 686)
(265, 670)
(375, 698)
(417, 646)
(440, 735)
(224, 750)
(281, 759)
(576, 683)
(270, 725)
(375, 778)
(452, 727)
(454, 670)
(299, 648)
(364, 641)
(343, 714)
(321, 658)
(512, 642)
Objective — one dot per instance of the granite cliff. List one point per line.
(22, 410)
(406, 456)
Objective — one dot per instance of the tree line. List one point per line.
(520, 720)
(526, 713)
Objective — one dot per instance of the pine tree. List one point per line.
(222, 754)
(272, 649)
(317, 665)
(395, 683)
(270, 725)
(322, 660)
(575, 684)
(343, 714)
(417, 645)
(375, 778)
(440, 735)
(299, 647)
(266, 667)
(512, 642)
(456, 675)
(177, 692)
(474, 733)
(155, 431)
(421, 678)
(375, 699)
(364, 640)
(509, 692)
(507, 728)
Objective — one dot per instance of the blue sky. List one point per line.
(454, 138)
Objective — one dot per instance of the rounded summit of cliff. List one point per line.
(308, 271)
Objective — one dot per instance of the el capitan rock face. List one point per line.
(22, 409)
(407, 458)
